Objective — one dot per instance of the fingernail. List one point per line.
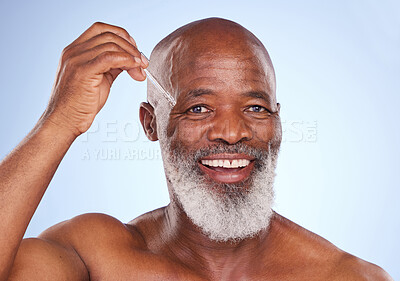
(144, 73)
(137, 59)
(144, 59)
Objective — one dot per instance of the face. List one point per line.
(222, 141)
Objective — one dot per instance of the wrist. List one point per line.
(56, 129)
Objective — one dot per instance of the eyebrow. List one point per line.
(251, 94)
(198, 93)
(258, 95)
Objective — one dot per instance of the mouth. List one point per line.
(227, 168)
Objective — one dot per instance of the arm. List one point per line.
(87, 69)
(25, 174)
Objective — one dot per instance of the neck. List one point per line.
(195, 249)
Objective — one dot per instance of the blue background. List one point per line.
(337, 67)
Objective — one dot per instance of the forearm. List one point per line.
(24, 176)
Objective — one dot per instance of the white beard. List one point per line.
(234, 214)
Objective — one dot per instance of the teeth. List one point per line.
(226, 163)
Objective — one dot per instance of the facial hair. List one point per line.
(241, 210)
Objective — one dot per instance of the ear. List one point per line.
(148, 120)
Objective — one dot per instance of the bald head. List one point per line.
(202, 45)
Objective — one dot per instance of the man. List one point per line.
(220, 144)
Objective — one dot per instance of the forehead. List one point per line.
(242, 66)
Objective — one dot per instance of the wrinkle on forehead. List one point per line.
(243, 67)
(199, 44)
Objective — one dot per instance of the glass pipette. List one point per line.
(167, 95)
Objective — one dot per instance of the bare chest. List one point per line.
(137, 265)
(146, 266)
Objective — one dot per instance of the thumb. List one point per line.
(112, 75)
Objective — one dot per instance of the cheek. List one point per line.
(266, 131)
(186, 132)
(194, 133)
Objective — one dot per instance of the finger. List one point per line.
(137, 73)
(110, 60)
(99, 28)
(106, 37)
(90, 54)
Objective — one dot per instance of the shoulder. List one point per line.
(58, 253)
(82, 225)
(73, 248)
(91, 231)
(327, 259)
(303, 242)
(350, 267)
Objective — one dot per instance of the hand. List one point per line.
(87, 69)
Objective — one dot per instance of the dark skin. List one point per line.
(235, 102)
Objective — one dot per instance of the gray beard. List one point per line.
(235, 214)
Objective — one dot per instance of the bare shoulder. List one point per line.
(53, 255)
(90, 229)
(87, 222)
(304, 243)
(350, 267)
(73, 248)
(149, 226)
(326, 259)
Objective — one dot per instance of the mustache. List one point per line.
(188, 161)
(242, 148)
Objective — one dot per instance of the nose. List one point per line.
(229, 127)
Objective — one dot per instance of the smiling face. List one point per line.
(222, 138)
(224, 98)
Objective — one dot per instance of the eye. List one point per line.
(257, 108)
(198, 109)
